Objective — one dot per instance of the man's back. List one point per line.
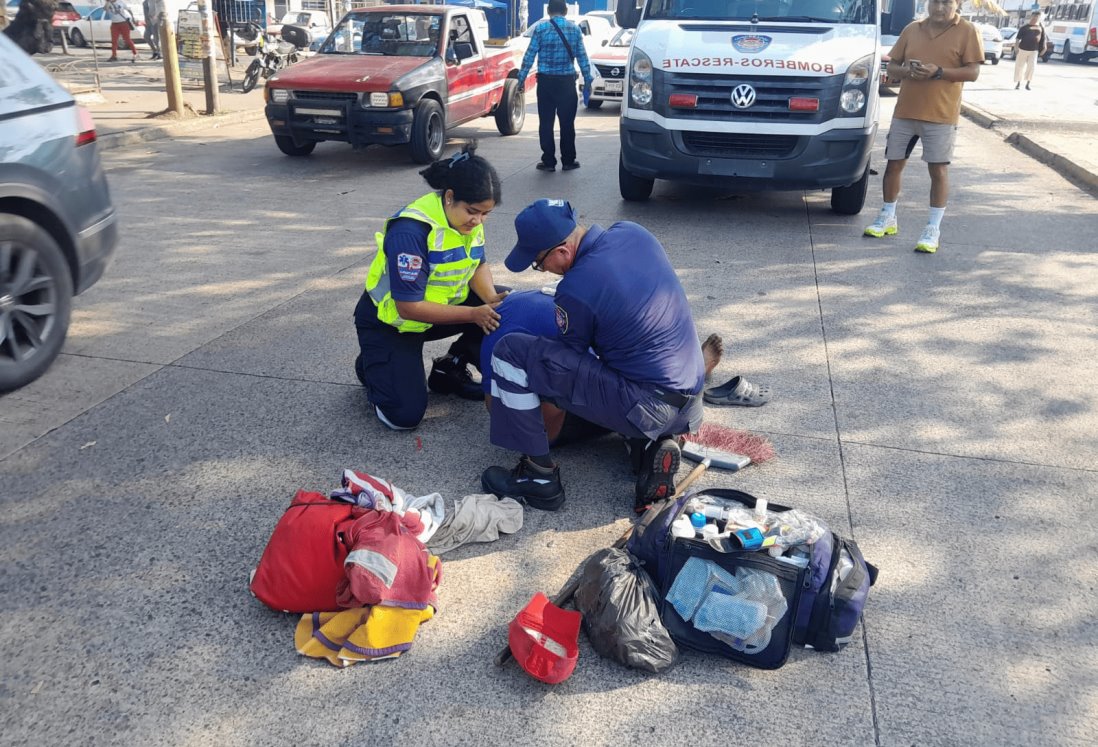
(622, 298)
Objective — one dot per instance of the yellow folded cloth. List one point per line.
(359, 634)
(321, 634)
(386, 634)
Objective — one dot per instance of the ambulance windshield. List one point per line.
(790, 11)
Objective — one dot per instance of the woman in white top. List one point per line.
(120, 16)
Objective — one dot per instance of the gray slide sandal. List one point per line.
(738, 391)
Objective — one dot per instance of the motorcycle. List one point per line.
(271, 55)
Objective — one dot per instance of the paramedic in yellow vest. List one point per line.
(428, 281)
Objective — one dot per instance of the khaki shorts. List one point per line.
(937, 140)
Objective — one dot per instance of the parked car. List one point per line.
(57, 222)
(313, 21)
(63, 18)
(608, 64)
(993, 43)
(1010, 38)
(97, 25)
(595, 29)
(396, 75)
(609, 15)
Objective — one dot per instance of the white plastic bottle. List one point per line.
(681, 527)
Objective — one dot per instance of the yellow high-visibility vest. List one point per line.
(452, 259)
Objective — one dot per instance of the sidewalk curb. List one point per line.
(159, 131)
(1070, 170)
(1065, 167)
(979, 116)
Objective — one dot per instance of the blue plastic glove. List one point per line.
(586, 94)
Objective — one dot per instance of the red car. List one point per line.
(63, 17)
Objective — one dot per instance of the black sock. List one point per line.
(542, 461)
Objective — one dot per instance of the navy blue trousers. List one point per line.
(527, 369)
(392, 362)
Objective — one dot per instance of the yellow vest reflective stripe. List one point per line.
(452, 258)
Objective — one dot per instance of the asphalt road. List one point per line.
(940, 409)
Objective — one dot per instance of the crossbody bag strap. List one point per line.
(561, 34)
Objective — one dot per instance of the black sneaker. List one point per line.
(656, 481)
(449, 375)
(545, 167)
(570, 166)
(537, 487)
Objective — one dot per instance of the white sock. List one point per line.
(888, 209)
(934, 217)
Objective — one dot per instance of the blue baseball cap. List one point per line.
(541, 225)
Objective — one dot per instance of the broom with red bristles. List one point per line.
(727, 448)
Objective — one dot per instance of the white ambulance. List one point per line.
(753, 94)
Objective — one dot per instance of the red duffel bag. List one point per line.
(303, 562)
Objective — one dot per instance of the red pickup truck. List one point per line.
(396, 74)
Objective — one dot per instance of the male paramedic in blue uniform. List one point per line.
(619, 297)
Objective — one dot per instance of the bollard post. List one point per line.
(170, 52)
(209, 61)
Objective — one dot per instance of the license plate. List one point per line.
(333, 113)
(613, 86)
(326, 120)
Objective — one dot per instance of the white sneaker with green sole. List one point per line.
(928, 242)
(885, 225)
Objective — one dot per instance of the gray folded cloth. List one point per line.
(476, 518)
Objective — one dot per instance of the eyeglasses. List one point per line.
(539, 262)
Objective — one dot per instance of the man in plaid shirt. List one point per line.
(557, 44)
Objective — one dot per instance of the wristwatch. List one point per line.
(938, 74)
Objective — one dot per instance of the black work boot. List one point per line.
(656, 480)
(537, 487)
(450, 375)
(635, 448)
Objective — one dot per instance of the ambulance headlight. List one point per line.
(640, 78)
(852, 101)
(860, 72)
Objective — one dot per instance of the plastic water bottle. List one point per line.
(682, 527)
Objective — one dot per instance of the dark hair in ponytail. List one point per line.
(471, 177)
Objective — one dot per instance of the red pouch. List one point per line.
(303, 562)
(544, 640)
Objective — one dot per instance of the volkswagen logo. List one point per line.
(615, 72)
(743, 96)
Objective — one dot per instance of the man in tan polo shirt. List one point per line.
(933, 58)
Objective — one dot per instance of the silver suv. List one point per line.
(57, 222)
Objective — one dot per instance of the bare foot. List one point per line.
(712, 349)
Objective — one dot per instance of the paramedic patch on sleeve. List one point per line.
(562, 320)
(408, 266)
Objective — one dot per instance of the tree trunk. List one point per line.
(32, 27)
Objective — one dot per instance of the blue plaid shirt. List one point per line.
(553, 57)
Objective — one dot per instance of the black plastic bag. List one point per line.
(621, 613)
